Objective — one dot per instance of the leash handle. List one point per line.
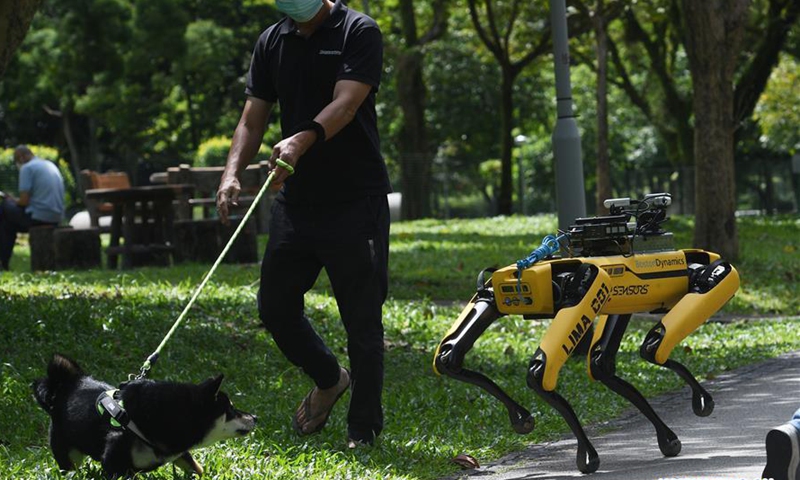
(154, 356)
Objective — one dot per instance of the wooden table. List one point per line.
(141, 223)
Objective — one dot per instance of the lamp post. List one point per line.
(570, 191)
(519, 141)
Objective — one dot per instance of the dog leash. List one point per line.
(153, 358)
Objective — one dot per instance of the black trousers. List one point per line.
(13, 219)
(351, 241)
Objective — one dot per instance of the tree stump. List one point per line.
(77, 249)
(42, 251)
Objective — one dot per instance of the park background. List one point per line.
(466, 109)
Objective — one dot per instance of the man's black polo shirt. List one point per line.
(300, 75)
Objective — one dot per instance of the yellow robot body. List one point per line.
(637, 283)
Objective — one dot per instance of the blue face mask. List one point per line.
(299, 10)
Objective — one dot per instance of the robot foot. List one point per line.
(702, 402)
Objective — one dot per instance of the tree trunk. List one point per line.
(714, 30)
(504, 200)
(15, 19)
(603, 169)
(415, 155)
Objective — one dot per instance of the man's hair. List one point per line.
(22, 151)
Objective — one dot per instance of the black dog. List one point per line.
(156, 422)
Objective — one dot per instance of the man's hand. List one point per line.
(290, 150)
(227, 195)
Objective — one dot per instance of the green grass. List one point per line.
(110, 321)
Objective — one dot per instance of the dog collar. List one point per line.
(109, 404)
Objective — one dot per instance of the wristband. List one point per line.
(315, 126)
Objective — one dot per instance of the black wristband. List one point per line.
(315, 126)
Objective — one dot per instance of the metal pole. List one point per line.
(570, 192)
(520, 141)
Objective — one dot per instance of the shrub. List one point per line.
(214, 151)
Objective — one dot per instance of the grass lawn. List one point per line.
(110, 321)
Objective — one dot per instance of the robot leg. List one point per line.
(710, 287)
(449, 358)
(585, 295)
(602, 367)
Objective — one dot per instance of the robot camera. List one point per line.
(658, 200)
(616, 202)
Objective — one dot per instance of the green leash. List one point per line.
(151, 360)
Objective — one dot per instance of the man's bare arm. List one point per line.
(244, 147)
(348, 95)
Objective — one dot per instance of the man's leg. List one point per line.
(355, 255)
(288, 270)
(13, 219)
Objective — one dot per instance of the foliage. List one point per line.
(135, 79)
(214, 151)
(110, 321)
(142, 81)
(778, 113)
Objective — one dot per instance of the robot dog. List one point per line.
(615, 267)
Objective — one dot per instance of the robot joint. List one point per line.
(703, 280)
(602, 364)
(447, 362)
(536, 370)
(651, 343)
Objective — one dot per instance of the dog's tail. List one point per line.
(61, 372)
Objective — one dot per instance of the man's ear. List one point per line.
(212, 385)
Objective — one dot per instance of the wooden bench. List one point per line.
(206, 182)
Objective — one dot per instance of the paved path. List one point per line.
(727, 445)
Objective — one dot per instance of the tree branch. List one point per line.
(754, 79)
(441, 14)
(476, 22)
(625, 84)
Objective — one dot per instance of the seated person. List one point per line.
(40, 202)
(783, 452)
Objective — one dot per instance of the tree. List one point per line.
(495, 23)
(779, 18)
(15, 19)
(413, 146)
(714, 31)
(654, 42)
(600, 22)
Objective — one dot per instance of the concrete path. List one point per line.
(727, 445)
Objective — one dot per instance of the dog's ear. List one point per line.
(212, 385)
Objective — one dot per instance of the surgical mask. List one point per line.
(299, 10)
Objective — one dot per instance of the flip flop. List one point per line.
(305, 405)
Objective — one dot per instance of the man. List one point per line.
(322, 64)
(40, 202)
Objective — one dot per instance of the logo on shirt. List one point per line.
(330, 52)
